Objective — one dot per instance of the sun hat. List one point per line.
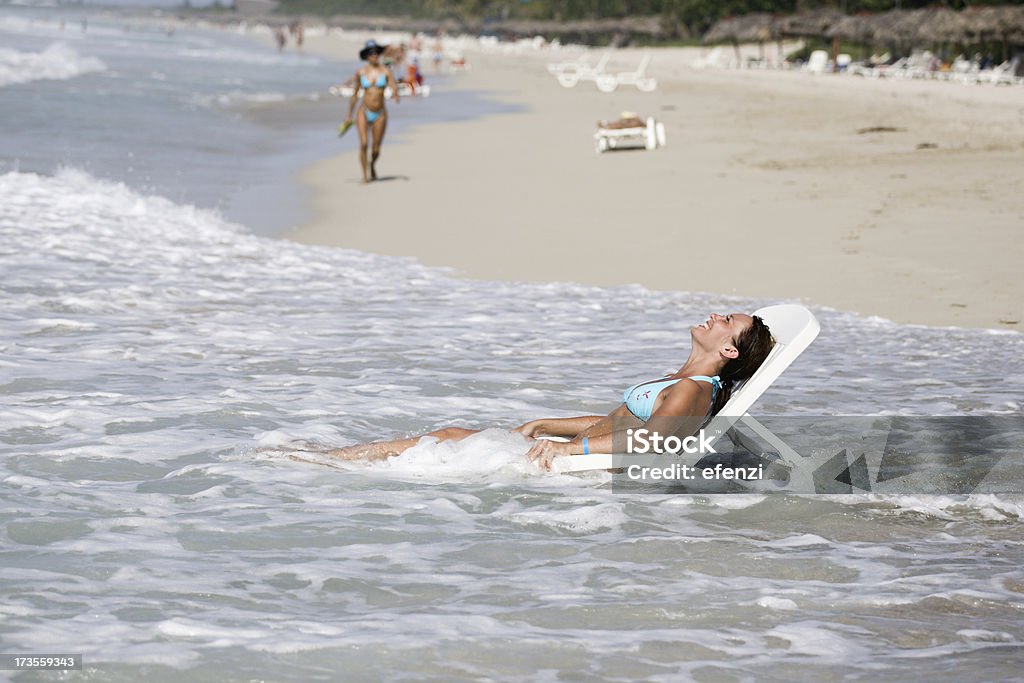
(371, 46)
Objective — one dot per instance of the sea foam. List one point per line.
(58, 62)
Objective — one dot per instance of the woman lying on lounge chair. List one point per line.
(725, 351)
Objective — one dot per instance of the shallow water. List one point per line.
(148, 348)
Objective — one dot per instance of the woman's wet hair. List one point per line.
(754, 344)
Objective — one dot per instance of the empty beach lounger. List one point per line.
(650, 136)
(570, 78)
(607, 82)
(581, 62)
(794, 328)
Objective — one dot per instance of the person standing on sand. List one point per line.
(372, 117)
(438, 54)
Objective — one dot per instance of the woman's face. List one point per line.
(373, 58)
(719, 332)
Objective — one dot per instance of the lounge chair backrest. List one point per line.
(794, 328)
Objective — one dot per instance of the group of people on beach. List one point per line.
(297, 32)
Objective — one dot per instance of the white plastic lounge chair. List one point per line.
(570, 79)
(711, 60)
(1004, 74)
(651, 136)
(794, 328)
(639, 78)
(566, 67)
(817, 63)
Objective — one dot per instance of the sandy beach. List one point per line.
(768, 187)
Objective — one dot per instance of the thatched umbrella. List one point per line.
(941, 26)
(813, 24)
(898, 27)
(723, 30)
(756, 27)
(1014, 31)
(903, 29)
(1003, 25)
(995, 24)
(759, 27)
(856, 28)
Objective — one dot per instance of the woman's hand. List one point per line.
(544, 452)
(531, 430)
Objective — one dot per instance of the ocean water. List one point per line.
(149, 347)
(163, 108)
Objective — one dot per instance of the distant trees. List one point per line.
(696, 15)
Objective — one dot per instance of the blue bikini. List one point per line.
(640, 398)
(381, 82)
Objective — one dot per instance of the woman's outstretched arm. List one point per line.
(558, 426)
(682, 410)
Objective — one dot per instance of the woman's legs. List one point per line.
(379, 127)
(381, 450)
(362, 127)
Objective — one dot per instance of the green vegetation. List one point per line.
(696, 15)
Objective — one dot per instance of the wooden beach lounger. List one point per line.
(794, 328)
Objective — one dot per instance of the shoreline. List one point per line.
(769, 167)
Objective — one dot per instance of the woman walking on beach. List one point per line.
(372, 117)
(725, 351)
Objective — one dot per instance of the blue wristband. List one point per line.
(586, 447)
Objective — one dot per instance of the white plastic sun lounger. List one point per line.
(582, 62)
(794, 328)
(570, 78)
(650, 136)
(609, 82)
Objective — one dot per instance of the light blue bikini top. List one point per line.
(640, 398)
(381, 81)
